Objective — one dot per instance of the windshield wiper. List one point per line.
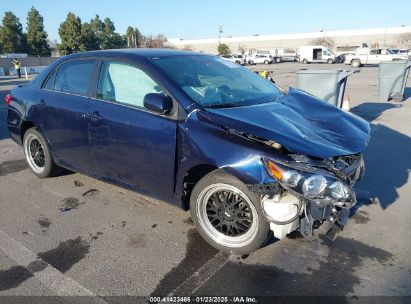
(221, 105)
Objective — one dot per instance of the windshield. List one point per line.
(214, 82)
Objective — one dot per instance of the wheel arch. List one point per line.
(25, 125)
(191, 178)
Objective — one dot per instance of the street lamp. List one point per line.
(220, 31)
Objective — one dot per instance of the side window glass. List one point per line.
(74, 77)
(125, 84)
(49, 84)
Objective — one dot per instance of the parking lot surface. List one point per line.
(74, 235)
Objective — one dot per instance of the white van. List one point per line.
(315, 53)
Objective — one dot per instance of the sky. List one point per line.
(201, 18)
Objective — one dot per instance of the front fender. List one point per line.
(200, 142)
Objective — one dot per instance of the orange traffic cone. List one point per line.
(346, 103)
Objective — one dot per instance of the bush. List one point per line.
(223, 49)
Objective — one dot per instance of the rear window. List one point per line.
(74, 77)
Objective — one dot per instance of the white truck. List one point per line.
(315, 53)
(372, 56)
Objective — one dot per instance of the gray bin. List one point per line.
(392, 78)
(328, 85)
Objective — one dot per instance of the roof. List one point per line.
(135, 53)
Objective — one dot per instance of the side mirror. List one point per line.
(158, 103)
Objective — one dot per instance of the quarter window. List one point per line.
(125, 84)
(74, 77)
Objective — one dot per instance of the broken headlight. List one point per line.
(321, 188)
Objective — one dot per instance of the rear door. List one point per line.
(63, 102)
(129, 143)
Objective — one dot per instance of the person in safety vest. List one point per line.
(17, 66)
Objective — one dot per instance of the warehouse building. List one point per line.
(344, 39)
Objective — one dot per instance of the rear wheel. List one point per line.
(251, 62)
(38, 155)
(227, 215)
(278, 60)
(305, 61)
(266, 62)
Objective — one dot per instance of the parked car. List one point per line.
(260, 58)
(234, 58)
(372, 56)
(315, 54)
(200, 132)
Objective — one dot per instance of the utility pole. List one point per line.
(220, 31)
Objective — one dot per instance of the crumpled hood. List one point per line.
(301, 123)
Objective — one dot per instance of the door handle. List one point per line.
(95, 116)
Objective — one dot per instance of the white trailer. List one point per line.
(315, 53)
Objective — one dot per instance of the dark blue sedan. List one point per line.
(245, 156)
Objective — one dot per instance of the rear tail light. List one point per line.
(7, 99)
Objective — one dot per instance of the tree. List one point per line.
(12, 39)
(36, 35)
(405, 40)
(187, 47)
(89, 40)
(70, 35)
(242, 49)
(324, 41)
(159, 41)
(109, 39)
(133, 37)
(223, 49)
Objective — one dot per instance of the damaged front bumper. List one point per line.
(307, 195)
(287, 213)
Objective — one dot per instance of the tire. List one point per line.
(225, 231)
(38, 154)
(251, 62)
(356, 63)
(330, 61)
(266, 62)
(278, 60)
(305, 61)
(238, 62)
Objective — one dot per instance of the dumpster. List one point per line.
(392, 78)
(328, 85)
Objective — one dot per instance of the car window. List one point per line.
(214, 82)
(124, 83)
(49, 84)
(74, 77)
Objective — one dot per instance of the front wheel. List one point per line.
(228, 215)
(278, 60)
(305, 61)
(38, 154)
(330, 61)
(266, 62)
(356, 63)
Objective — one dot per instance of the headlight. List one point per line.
(314, 186)
(319, 188)
(339, 191)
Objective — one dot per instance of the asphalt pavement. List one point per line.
(74, 235)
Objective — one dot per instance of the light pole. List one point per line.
(220, 31)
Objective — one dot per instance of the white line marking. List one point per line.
(201, 276)
(49, 276)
